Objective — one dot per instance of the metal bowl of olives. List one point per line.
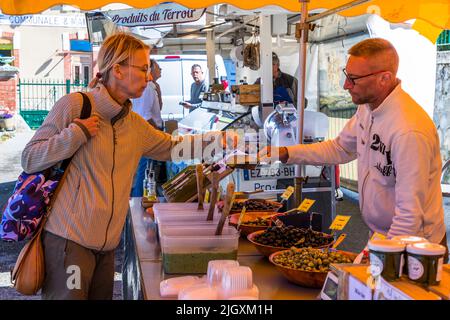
(251, 222)
(308, 267)
(275, 239)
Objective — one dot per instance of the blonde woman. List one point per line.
(88, 215)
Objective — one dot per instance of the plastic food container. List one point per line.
(238, 281)
(188, 249)
(425, 262)
(161, 213)
(407, 239)
(199, 292)
(216, 269)
(386, 258)
(171, 287)
(191, 219)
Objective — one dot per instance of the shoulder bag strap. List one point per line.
(85, 113)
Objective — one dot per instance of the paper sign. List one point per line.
(305, 205)
(244, 209)
(357, 290)
(339, 222)
(288, 193)
(206, 196)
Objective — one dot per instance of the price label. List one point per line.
(306, 205)
(378, 236)
(241, 216)
(287, 193)
(206, 196)
(339, 222)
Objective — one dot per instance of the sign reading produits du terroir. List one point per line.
(162, 14)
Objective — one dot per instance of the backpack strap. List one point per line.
(85, 113)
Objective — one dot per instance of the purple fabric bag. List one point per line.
(32, 195)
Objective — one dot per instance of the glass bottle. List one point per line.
(151, 186)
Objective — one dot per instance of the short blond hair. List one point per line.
(377, 48)
(116, 49)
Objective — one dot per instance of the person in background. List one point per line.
(148, 106)
(285, 86)
(396, 145)
(197, 88)
(88, 215)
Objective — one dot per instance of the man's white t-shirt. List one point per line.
(147, 105)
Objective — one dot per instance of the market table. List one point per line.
(143, 270)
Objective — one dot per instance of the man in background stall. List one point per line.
(197, 87)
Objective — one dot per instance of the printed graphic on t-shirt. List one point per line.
(377, 145)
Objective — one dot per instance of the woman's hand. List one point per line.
(91, 124)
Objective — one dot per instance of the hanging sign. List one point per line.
(167, 13)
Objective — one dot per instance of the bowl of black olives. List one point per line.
(251, 222)
(255, 205)
(275, 239)
(308, 267)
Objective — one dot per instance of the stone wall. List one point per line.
(441, 114)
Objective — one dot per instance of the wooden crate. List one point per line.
(248, 94)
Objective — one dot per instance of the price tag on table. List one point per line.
(206, 196)
(287, 193)
(244, 209)
(378, 236)
(339, 222)
(306, 205)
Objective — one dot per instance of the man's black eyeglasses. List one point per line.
(353, 79)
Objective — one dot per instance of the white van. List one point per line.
(176, 80)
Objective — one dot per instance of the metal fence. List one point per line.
(37, 96)
(443, 41)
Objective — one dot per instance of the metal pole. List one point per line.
(300, 169)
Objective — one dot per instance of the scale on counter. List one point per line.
(330, 287)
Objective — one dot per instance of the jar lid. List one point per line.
(386, 245)
(427, 249)
(407, 239)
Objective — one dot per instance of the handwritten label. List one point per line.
(339, 222)
(378, 236)
(241, 216)
(306, 205)
(287, 193)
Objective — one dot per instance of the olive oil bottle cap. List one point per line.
(426, 249)
(407, 239)
(386, 245)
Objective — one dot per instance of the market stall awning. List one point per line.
(433, 15)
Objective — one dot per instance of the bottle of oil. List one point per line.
(151, 186)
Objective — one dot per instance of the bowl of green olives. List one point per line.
(275, 239)
(308, 267)
(251, 222)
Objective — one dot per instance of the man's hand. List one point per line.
(271, 154)
(91, 124)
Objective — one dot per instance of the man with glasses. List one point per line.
(396, 145)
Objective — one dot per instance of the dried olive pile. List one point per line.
(254, 205)
(259, 222)
(309, 259)
(291, 236)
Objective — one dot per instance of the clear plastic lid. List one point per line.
(236, 281)
(216, 269)
(171, 287)
(426, 249)
(386, 245)
(407, 239)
